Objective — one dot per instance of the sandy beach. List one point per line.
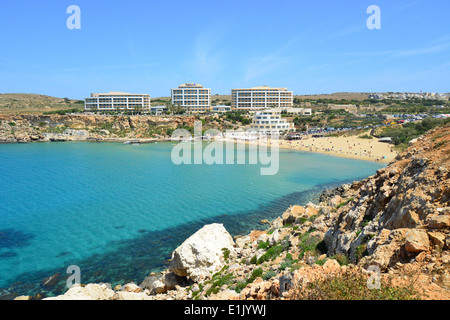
(345, 146)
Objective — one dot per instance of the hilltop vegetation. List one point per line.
(14, 103)
(402, 134)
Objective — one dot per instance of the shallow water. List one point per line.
(118, 211)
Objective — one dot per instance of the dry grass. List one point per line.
(15, 103)
(353, 285)
(337, 96)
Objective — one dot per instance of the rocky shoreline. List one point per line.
(397, 220)
(96, 128)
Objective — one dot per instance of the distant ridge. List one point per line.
(34, 103)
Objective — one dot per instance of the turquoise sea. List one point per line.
(118, 211)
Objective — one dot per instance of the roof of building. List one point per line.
(190, 85)
(263, 88)
(115, 93)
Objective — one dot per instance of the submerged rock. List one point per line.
(51, 281)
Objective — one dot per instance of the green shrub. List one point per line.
(242, 284)
(288, 263)
(263, 245)
(219, 281)
(255, 274)
(273, 252)
(302, 220)
(401, 135)
(341, 258)
(269, 274)
(321, 262)
(361, 251)
(311, 244)
(239, 286)
(226, 253)
(353, 286)
(64, 112)
(344, 203)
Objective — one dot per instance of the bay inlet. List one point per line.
(118, 211)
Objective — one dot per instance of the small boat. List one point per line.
(127, 142)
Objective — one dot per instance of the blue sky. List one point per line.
(145, 46)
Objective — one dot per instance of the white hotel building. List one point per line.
(192, 97)
(263, 97)
(270, 121)
(117, 101)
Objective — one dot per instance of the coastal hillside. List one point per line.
(14, 103)
(356, 96)
(385, 237)
(54, 127)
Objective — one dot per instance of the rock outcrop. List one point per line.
(202, 253)
(30, 127)
(399, 212)
(88, 292)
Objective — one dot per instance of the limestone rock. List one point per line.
(225, 295)
(311, 210)
(275, 237)
(292, 214)
(202, 254)
(437, 238)
(131, 287)
(242, 241)
(277, 223)
(124, 295)
(88, 292)
(439, 222)
(335, 201)
(331, 264)
(263, 238)
(417, 241)
(171, 281)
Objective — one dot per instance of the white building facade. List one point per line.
(115, 101)
(298, 111)
(221, 109)
(192, 97)
(270, 121)
(258, 98)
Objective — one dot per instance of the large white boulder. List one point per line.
(202, 254)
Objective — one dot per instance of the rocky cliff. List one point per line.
(26, 128)
(82, 127)
(401, 211)
(396, 221)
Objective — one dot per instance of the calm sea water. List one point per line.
(118, 211)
